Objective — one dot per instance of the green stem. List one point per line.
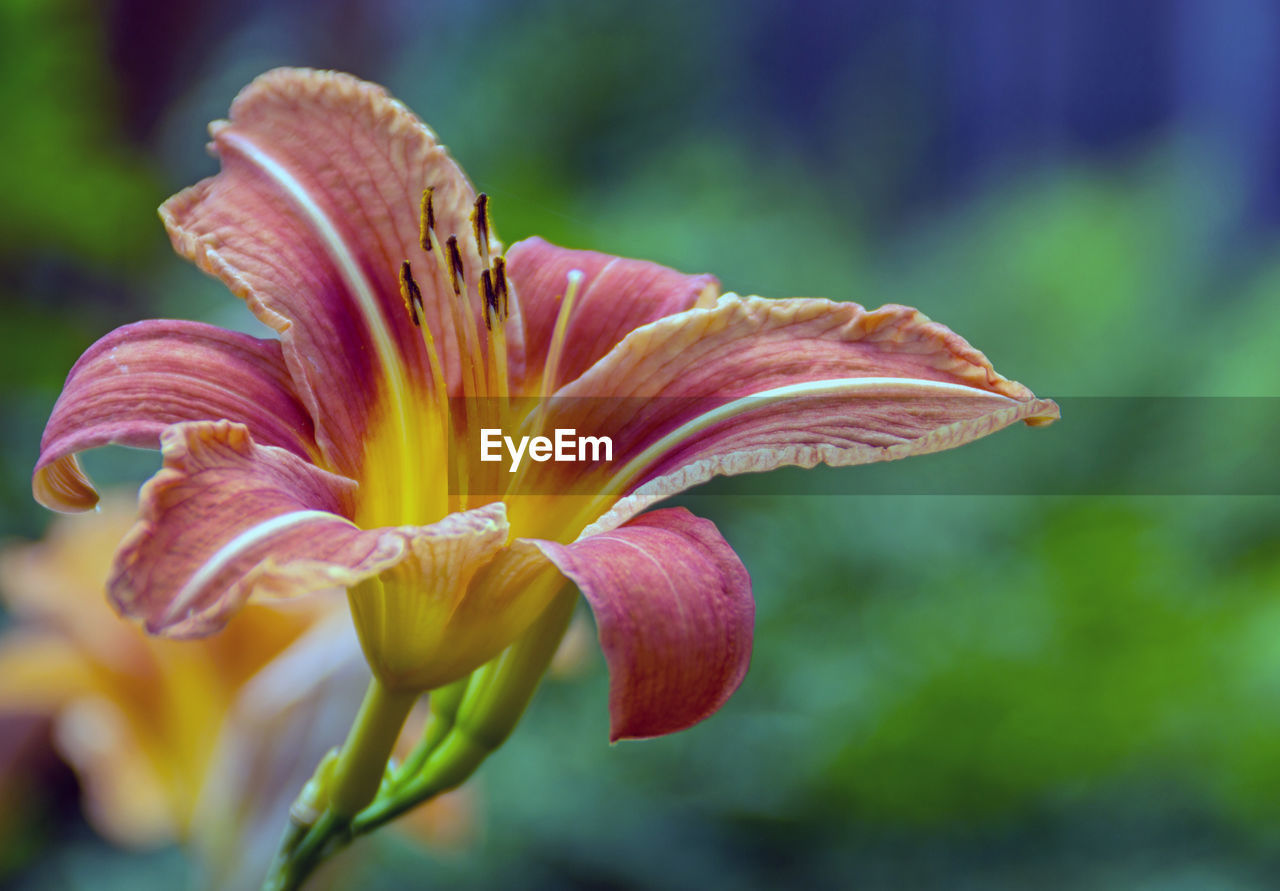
(352, 782)
(489, 712)
(471, 718)
(444, 710)
(294, 833)
(363, 760)
(292, 869)
(495, 699)
(453, 761)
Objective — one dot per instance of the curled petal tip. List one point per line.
(62, 485)
(139, 379)
(1045, 412)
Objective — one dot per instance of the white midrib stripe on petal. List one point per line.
(350, 270)
(836, 387)
(224, 556)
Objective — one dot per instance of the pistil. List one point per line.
(550, 371)
(536, 422)
(475, 383)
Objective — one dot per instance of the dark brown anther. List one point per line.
(457, 277)
(500, 286)
(427, 219)
(490, 299)
(480, 221)
(410, 293)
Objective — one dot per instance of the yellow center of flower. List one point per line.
(422, 454)
(459, 598)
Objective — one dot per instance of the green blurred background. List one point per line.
(1063, 685)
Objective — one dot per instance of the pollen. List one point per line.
(410, 293)
(462, 292)
(456, 272)
(480, 224)
(427, 219)
(500, 287)
(490, 299)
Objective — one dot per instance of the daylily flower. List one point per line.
(342, 453)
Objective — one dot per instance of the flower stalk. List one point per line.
(444, 711)
(363, 760)
(343, 784)
(471, 718)
(495, 699)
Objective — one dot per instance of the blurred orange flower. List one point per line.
(202, 741)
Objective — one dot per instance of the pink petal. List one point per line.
(616, 296)
(316, 207)
(225, 519)
(141, 378)
(756, 384)
(673, 608)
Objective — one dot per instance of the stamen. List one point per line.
(465, 339)
(493, 320)
(480, 223)
(412, 442)
(438, 382)
(500, 285)
(464, 315)
(449, 266)
(427, 219)
(490, 299)
(410, 293)
(456, 272)
(412, 296)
